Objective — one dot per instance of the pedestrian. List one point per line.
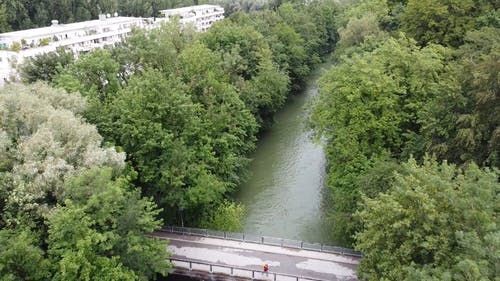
(266, 267)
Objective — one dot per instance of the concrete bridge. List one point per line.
(237, 256)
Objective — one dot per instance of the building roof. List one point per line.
(61, 28)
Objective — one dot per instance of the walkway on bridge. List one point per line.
(242, 258)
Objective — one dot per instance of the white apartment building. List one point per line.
(202, 16)
(76, 37)
(85, 36)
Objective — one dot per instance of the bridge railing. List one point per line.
(237, 271)
(266, 240)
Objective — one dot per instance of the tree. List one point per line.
(463, 126)
(95, 76)
(227, 216)
(357, 30)
(45, 66)
(247, 58)
(285, 43)
(437, 222)
(4, 24)
(98, 232)
(159, 126)
(370, 105)
(443, 22)
(47, 142)
(21, 257)
(67, 205)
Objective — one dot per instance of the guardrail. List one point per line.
(272, 241)
(237, 271)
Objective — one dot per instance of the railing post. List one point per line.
(225, 236)
(211, 269)
(253, 274)
(206, 232)
(321, 248)
(281, 244)
(262, 240)
(243, 236)
(190, 266)
(232, 271)
(301, 244)
(275, 277)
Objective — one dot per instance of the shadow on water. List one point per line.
(284, 195)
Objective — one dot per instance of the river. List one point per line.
(284, 195)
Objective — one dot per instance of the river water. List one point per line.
(284, 195)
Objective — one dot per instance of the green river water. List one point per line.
(284, 195)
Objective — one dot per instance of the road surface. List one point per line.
(305, 263)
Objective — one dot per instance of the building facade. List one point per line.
(82, 37)
(201, 16)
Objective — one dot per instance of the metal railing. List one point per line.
(265, 240)
(237, 271)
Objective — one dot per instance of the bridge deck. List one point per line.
(305, 263)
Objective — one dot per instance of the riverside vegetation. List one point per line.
(411, 118)
(157, 130)
(153, 131)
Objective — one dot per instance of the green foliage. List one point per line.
(45, 66)
(67, 211)
(444, 22)
(438, 222)
(389, 100)
(95, 75)
(99, 231)
(21, 258)
(286, 45)
(4, 25)
(366, 108)
(47, 142)
(228, 216)
(464, 127)
(44, 42)
(357, 30)
(247, 57)
(15, 47)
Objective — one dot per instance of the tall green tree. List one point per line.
(463, 126)
(22, 258)
(4, 20)
(46, 66)
(66, 202)
(369, 106)
(438, 222)
(98, 231)
(444, 21)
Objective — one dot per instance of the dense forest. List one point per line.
(411, 115)
(97, 151)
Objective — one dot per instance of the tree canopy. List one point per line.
(437, 222)
(68, 209)
(413, 79)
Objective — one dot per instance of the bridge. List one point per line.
(237, 256)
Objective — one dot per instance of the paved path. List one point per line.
(297, 262)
